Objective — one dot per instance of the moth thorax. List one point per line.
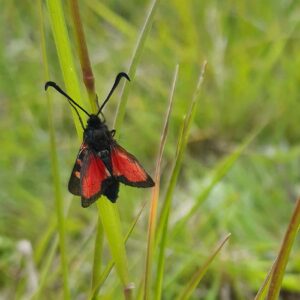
(94, 122)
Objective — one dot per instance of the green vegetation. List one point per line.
(230, 162)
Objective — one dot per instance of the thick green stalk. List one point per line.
(65, 56)
(112, 226)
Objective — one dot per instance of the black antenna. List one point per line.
(117, 80)
(71, 101)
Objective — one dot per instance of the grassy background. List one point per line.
(252, 77)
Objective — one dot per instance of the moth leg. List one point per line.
(103, 154)
(113, 132)
(97, 102)
(105, 157)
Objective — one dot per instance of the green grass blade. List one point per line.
(164, 219)
(155, 194)
(283, 256)
(198, 275)
(261, 294)
(59, 205)
(112, 227)
(134, 63)
(181, 145)
(65, 57)
(163, 226)
(111, 264)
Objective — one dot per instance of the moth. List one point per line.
(102, 164)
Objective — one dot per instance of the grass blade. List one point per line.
(56, 177)
(182, 141)
(155, 194)
(283, 256)
(163, 225)
(198, 275)
(264, 287)
(134, 63)
(65, 57)
(87, 72)
(111, 264)
(112, 227)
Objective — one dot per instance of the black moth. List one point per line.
(102, 163)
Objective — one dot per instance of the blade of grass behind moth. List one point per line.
(87, 72)
(63, 47)
(55, 172)
(134, 63)
(198, 275)
(283, 256)
(162, 228)
(155, 194)
(110, 265)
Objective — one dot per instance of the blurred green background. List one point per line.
(252, 78)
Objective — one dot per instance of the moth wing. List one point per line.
(93, 176)
(74, 182)
(127, 169)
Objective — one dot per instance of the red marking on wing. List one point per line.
(127, 169)
(93, 173)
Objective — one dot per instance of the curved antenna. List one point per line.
(55, 86)
(117, 80)
(70, 100)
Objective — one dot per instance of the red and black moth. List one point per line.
(102, 164)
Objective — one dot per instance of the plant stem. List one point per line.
(87, 72)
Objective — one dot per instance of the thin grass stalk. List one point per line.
(162, 231)
(87, 72)
(198, 275)
(155, 194)
(185, 129)
(55, 172)
(134, 63)
(283, 256)
(164, 219)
